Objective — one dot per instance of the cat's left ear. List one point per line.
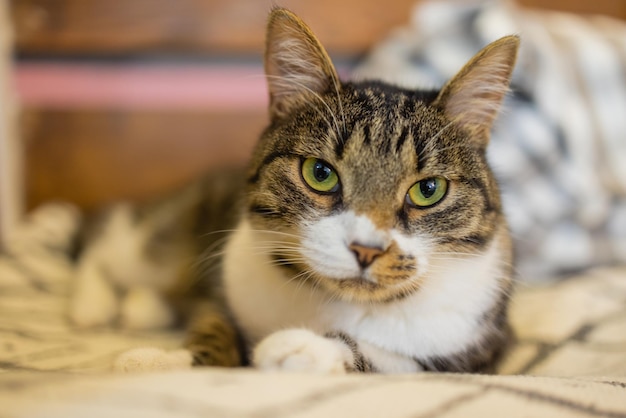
(296, 64)
(473, 96)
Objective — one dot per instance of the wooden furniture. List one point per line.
(94, 142)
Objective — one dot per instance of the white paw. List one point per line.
(94, 302)
(145, 309)
(301, 350)
(152, 359)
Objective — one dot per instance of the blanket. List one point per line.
(569, 358)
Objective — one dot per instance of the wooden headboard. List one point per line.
(128, 99)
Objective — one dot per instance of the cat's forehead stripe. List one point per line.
(386, 137)
(375, 126)
(341, 139)
(367, 135)
(402, 139)
(420, 152)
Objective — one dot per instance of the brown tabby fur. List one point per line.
(381, 139)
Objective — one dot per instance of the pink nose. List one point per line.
(365, 255)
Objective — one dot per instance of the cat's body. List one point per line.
(371, 235)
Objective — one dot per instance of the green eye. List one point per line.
(427, 192)
(320, 176)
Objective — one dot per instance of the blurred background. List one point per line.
(130, 99)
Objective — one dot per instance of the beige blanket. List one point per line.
(570, 359)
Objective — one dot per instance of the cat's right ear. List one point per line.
(296, 65)
(472, 98)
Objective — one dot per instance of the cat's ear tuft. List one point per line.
(296, 65)
(472, 98)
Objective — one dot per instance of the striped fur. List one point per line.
(441, 274)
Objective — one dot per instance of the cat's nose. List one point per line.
(365, 255)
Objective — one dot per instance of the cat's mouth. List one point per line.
(360, 282)
(378, 283)
(365, 288)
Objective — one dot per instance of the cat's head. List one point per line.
(363, 188)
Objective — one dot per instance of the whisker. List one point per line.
(302, 277)
(276, 232)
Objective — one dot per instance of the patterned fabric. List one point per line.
(559, 149)
(571, 333)
(237, 394)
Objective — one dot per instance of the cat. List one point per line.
(370, 238)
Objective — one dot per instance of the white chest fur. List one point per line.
(441, 318)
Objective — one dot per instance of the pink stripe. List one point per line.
(141, 86)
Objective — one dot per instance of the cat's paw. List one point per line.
(152, 359)
(301, 350)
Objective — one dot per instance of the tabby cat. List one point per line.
(371, 236)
